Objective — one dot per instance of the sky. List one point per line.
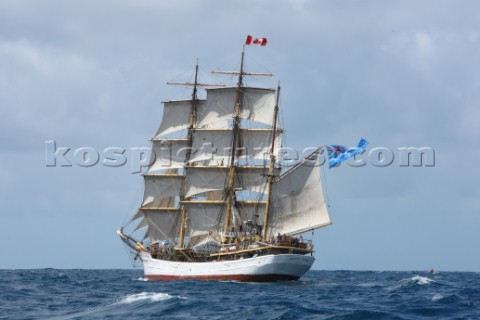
(92, 74)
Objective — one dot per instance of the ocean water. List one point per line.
(124, 294)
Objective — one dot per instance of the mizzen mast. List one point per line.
(271, 167)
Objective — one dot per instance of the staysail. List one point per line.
(298, 204)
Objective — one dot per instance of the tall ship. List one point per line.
(218, 202)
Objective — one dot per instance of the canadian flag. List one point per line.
(259, 41)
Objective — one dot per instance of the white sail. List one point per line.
(204, 179)
(176, 116)
(257, 105)
(211, 145)
(257, 143)
(251, 179)
(162, 224)
(297, 202)
(167, 154)
(137, 215)
(215, 195)
(214, 145)
(159, 187)
(143, 223)
(203, 219)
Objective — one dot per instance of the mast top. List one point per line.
(242, 73)
(196, 84)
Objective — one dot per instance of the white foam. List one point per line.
(151, 296)
(142, 279)
(408, 281)
(421, 280)
(437, 297)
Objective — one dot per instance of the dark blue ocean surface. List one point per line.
(123, 294)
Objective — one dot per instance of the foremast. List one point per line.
(191, 128)
(190, 135)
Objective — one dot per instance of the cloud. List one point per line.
(48, 61)
(92, 74)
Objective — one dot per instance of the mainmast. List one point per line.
(236, 125)
(272, 166)
(230, 190)
(193, 114)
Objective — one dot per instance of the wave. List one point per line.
(437, 297)
(122, 294)
(412, 281)
(129, 303)
(421, 280)
(146, 296)
(450, 299)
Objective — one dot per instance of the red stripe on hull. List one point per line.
(234, 277)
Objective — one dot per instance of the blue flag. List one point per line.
(337, 154)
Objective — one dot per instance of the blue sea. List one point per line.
(124, 294)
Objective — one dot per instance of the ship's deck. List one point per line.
(234, 251)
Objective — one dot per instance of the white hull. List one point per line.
(262, 268)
